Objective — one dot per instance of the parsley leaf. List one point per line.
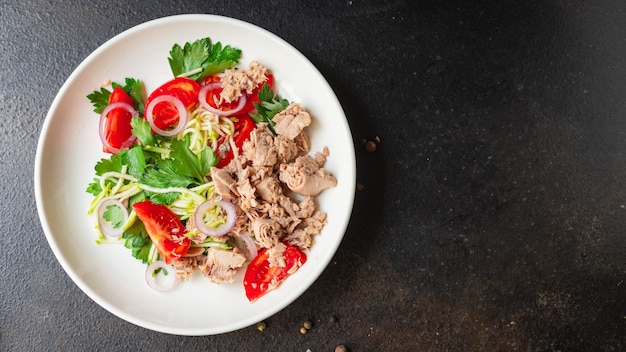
(114, 215)
(133, 87)
(139, 197)
(99, 99)
(208, 159)
(220, 59)
(268, 106)
(114, 163)
(141, 129)
(189, 164)
(135, 160)
(165, 175)
(164, 198)
(137, 240)
(94, 187)
(203, 58)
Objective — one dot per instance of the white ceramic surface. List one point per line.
(69, 148)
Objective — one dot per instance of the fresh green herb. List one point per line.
(141, 129)
(139, 197)
(164, 174)
(164, 198)
(189, 164)
(137, 240)
(94, 187)
(99, 99)
(113, 164)
(181, 169)
(135, 160)
(114, 215)
(268, 106)
(202, 58)
(133, 87)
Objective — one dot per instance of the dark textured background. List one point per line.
(492, 215)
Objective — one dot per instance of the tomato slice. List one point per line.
(260, 278)
(244, 125)
(185, 89)
(164, 228)
(117, 128)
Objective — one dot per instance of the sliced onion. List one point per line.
(182, 115)
(161, 281)
(202, 96)
(105, 226)
(223, 229)
(244, 240)
(130, 141)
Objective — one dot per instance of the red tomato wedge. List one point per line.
(244, 125)
(185, 89)
(164, 228)
(117, 128)
(260, 278)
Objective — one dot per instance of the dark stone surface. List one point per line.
(492, 213)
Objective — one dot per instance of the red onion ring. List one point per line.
(160, 281)
(104, 225)
(202, 95)
(182, 115)
(223, 229)
(130, 141)
(244, 240)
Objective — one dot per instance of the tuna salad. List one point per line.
(211, 174)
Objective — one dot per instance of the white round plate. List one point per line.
(69, 148)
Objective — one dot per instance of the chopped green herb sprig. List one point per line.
(202, 58)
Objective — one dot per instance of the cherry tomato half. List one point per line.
(164, 228)
(260, 278)
(117, 128)
(244, 125)
(185, 89)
